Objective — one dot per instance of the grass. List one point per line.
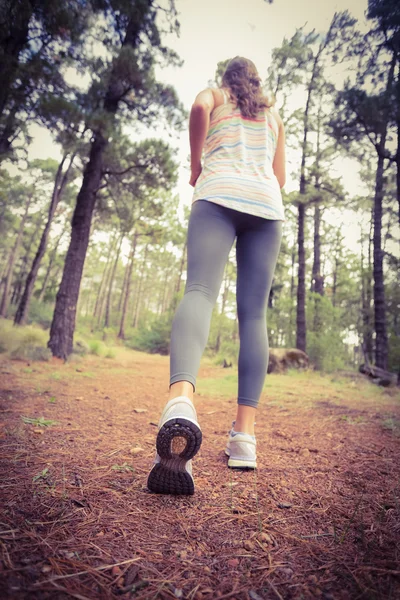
(38, 422)
(41, 475)
(122, 468)
(308, 388)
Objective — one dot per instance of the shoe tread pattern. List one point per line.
(169, 476)
(179, 427)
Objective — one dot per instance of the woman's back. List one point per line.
(238, 162)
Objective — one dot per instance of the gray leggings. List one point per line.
(211, 234)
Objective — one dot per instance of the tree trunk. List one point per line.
(100, 291)
(223, 305)
(59, 185)
(140, 287)
(111, 283)
(181, 267)
(129, 267)
(63, 324)
(318, 279)
(123, 291)
(367, 341)
(164, 293)
(12, 260)
(49, 267)
(105, 278)
(301, 332)
(381, 340)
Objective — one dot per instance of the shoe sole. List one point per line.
(241, 465)
(170, 476)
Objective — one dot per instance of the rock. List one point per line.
(281, 359)
(265, 538)
(284, 505)
(140, 410)
(136, 450)
(304, 452)
(248, 545)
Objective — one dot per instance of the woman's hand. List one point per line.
(195, 174)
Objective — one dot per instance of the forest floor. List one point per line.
(320, 518)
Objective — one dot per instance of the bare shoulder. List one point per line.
(276, 115)
(205, 98)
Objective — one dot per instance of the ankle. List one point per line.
(243, 429)
(245, 419)
(181, 388)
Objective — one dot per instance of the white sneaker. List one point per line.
(178, 440)
(241, 449)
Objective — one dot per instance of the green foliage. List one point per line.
(325, 344)
(228, 352)
(96, 347)
(38, 421)
(154, 338)
(80, 348)
(23, 342)
(41, 475)
(40, 313)
(124, 468)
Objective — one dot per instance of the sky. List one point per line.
(211, 31)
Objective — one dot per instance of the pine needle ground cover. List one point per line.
(320, 518)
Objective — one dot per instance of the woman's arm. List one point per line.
(279, 162)
(198, 127)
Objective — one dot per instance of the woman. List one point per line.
(237, 196)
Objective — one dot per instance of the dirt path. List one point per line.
(319, 519)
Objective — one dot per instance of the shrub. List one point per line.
(96, 347)
(27, 342)
(154, 338)
(40, 313)
(325, 345)
(110, 353)
(30, 352)
(80, 347)
(228, 352)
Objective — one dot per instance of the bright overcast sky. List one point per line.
(215, 30)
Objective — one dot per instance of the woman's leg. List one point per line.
(257, 252)
(211, 234)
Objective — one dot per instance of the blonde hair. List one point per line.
(243, 81)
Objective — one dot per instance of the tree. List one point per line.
(36, 38)
(300, 61)
(130, 82)
(61, 179)
(361, 116)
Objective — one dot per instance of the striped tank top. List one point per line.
(237, 168)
